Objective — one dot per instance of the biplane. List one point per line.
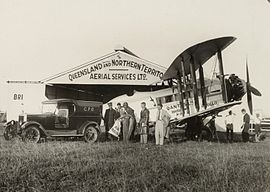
(193, 100)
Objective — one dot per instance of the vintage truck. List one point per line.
(59, 118)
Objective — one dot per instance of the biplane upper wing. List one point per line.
(208, 112)
(200, 52)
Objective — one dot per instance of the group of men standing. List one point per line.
(126, 116)
(229, 121)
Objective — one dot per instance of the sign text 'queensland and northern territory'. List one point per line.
(117, 70)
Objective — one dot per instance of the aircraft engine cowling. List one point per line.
(235, 88)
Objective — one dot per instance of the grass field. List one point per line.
(113, 166)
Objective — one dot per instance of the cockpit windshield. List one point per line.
(49, 108)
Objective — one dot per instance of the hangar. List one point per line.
(114, 74)
(117, 73)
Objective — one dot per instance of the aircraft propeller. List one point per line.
(237, 88)
(249, 96)
(249, 90)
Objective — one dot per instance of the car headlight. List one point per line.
(12, 122)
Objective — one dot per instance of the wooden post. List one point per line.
(185, 85)
(222, 78)
(194, 83)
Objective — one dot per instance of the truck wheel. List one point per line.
(9, 133)
(31, 134)
(90, 134)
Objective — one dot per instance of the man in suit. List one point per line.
(245, 126)
(125, 119)
(128, 109)
(144, 123)
(110, 117)
(117, 109)
(132, 122)
(162, 121)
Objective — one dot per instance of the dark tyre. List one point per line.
(31, 134)
(90, 134)
(9, 132)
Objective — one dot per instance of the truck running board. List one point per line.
(78, 135)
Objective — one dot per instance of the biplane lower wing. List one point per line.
(205, 113)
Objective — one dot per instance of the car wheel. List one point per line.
(90, 134)
(9, 133)
(31, 134)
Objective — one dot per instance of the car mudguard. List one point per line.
(86, 124)
(40, 127)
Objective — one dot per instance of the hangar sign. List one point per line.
(118, 68)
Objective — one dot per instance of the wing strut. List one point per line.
(180, 91)
(185, 86)
(222, 77)
(194, 83)
(203, 95)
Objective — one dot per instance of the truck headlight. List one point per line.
(12, 122)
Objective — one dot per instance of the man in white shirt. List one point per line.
(229, 120)
(162, 121)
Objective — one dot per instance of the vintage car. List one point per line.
(59, 118)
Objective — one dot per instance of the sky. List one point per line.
(41, 38)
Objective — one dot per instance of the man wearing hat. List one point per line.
(110, 117)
